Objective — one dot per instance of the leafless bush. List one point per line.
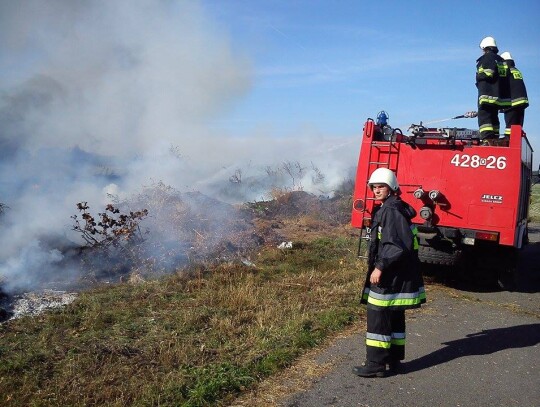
(317, 177)
(294, 170)
(112, 238)
(112, 229)
(271, 172)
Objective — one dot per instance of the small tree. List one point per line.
(317, 177)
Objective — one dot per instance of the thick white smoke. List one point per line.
(116, 78)
(101, 97)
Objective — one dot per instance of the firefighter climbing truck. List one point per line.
(472, 200)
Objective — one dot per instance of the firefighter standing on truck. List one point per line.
(493, 92)
(514, 114)
(393, 282)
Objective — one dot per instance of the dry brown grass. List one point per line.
(198, 338)
(280, 195)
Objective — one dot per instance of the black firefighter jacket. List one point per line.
(518, 91)
(492, 81)
(394, 250)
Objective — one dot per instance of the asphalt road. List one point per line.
(465, 348)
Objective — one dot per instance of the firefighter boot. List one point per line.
(370, 369)
(503, 141)
(488, 138)
(488, 142)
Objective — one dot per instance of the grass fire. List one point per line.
(187, 324)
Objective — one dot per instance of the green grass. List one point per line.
(197, 338)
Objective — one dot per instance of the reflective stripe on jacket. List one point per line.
(491, 80)
(394, 250)
(518, 91)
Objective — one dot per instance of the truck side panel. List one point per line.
(479, 187)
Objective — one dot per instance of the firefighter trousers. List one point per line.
(512, 116)
(488, 121)
(385, 336)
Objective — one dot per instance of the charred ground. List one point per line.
(161, 231)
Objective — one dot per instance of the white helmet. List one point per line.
(506, 56)
(384, 176)
(488, 42)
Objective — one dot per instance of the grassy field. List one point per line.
(196, 338)
(534, 210)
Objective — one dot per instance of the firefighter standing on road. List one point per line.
(493, 93)
(393, 282)
(518, 95)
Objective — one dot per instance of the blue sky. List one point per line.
(325, 66)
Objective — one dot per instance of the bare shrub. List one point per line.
(295, 171)
(318, 177)
(272, 172)
(112, 228)
(112, 239)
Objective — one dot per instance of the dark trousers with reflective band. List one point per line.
(488, 121)
(513, 116)
(385, 336)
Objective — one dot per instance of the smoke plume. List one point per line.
(100, 98)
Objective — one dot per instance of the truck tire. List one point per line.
(431, 255)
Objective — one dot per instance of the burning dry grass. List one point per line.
(197, 338)
(165, 231)
(168, 230)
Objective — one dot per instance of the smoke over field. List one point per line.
(101, 100)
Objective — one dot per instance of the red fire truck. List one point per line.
(472, 200)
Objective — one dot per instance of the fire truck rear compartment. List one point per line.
(471, 200)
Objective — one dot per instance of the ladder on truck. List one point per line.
(381, 154)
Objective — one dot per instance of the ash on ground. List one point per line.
(33, 303)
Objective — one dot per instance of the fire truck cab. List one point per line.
(472, 200)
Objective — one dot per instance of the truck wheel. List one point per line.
(431, 255)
